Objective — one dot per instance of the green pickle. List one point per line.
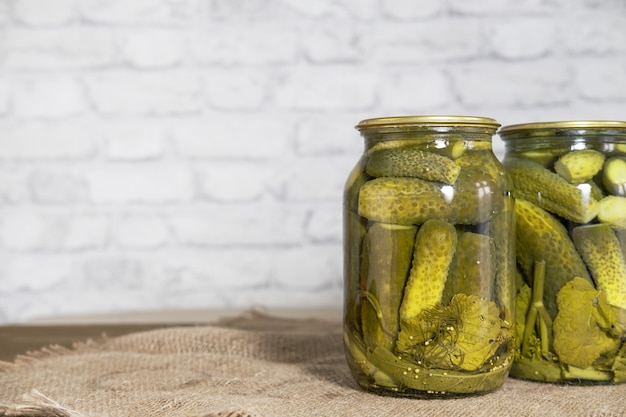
(541, 237)
(579, 166)
(402, 201)
(473, 269)
(570, 214)
(601, 251)
(612, 211)
(614, 176)
(388, 254)
(483, 158)
(550, 191)
(429, 259)
(435, 246)
(410, 161)
(506, 272)
(476, 197)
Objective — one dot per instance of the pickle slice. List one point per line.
(550, 191)
(601, 251)
(388, 255)
(473, 268)
(402, 201)
(435, 245)
(409, 161)
(613, 211)
(579, 166)
(614, 176)
(541, 237)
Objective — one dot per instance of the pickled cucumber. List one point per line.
(544, 157)
(621, 237)
(613, 211)
(614, 176)
(409, 161)
(354, 231)
(484, 159)
(452, 148)
(579, 166)
(620, 147)
(594, 190)
(354, 228)
(601, 251)
(541, 237)
(402, 201)
(449, 147)
(476, 196)
(550, 191)
(474, 199)
(506, 272)
(388, 255)
(498, 226)
(351, 189)
(473, 268)
(435, 245)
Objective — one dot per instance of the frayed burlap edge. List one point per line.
(38, 405)
(31, 357)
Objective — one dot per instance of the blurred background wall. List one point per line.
(175, 154)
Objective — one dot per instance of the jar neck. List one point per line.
(601, 140)
(434, 138)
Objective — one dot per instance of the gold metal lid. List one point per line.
(428, 121)
(562, 125)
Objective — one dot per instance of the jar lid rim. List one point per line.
(428, 121)
(562, 125)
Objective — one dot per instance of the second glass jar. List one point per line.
(428, 258)
(569, 181)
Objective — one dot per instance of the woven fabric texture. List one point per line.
(249, 366)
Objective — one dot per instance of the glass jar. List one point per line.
(569, 181)
(429, 261)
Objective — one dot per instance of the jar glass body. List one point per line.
(569, 181)
(429, 263)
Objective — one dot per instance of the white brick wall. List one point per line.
(192, 153)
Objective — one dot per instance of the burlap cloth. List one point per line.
(252, 365)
